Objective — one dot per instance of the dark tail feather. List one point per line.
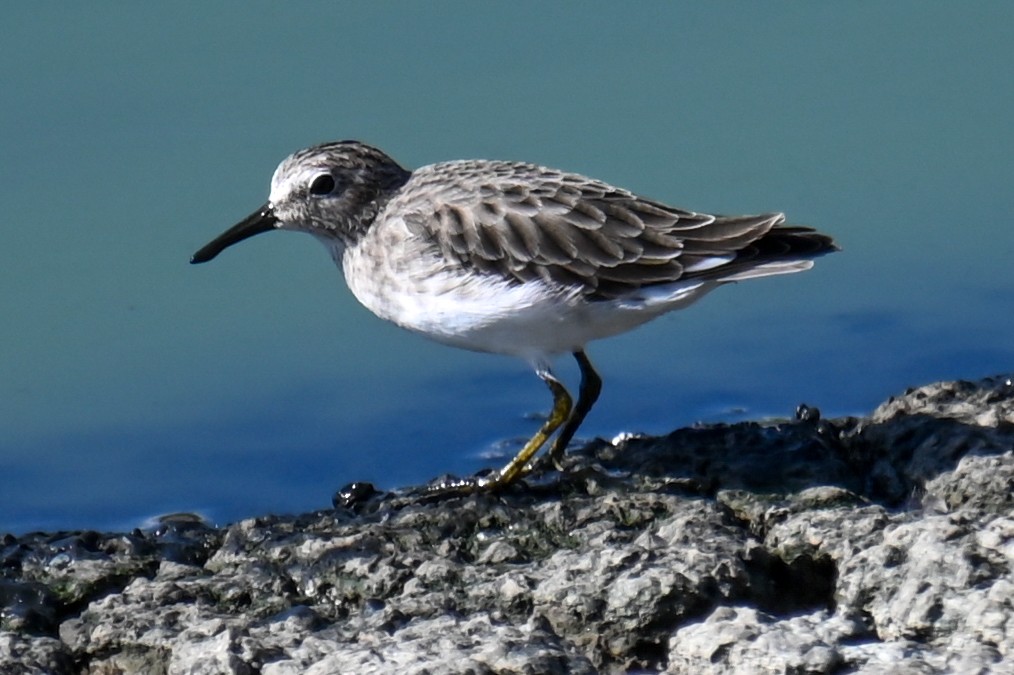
(793, 241)
(783, 250)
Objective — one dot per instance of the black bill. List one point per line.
(261, 220)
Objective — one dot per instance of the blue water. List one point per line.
(133, 384)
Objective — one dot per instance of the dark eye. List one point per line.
(322, 185)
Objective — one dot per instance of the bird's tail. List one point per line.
(783, 249)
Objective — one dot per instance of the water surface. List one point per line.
(133, 384)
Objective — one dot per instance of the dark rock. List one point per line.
(806, 546)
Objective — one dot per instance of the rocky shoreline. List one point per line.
(872, 545)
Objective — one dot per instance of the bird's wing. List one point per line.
(526, 222)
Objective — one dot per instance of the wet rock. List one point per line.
(808, 545)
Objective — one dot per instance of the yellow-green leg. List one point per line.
(591, 386)
(562, 405)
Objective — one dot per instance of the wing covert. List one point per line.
(526, 222)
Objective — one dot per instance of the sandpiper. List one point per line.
(514, 258)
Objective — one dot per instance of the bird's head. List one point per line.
(333, 190)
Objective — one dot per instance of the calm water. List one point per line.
(132, 384)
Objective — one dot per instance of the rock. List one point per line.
(33, 655)
(803, 546)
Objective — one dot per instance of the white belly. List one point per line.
(423, 293)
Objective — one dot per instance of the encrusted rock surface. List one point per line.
(874, 545)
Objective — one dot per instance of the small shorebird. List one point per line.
(514, 258)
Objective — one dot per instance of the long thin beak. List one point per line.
(261, 220)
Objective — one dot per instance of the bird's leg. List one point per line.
(562, 405)
(591, 385)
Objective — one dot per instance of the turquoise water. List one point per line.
(133, 384)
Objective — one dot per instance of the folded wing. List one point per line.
(529, 222)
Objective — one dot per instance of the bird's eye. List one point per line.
(322, 185)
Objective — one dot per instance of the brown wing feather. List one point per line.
(526, 222)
